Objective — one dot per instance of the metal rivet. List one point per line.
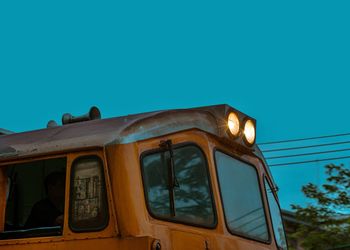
(156, 245)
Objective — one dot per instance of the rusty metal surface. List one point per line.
(120, 130)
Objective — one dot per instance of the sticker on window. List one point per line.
(89, 210)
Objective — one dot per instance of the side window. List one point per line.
(276, 217)
(241, 196)
(35, 198)
(177, 186)
(88, 203)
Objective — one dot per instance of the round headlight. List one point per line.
(233, 124)
(249, 132)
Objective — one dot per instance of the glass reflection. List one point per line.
(276, 217)
(192, 197)
(241, 196)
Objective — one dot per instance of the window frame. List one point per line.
(242, 235)
(104, 195)
(37, 232)
(169, 219)
(270, 215)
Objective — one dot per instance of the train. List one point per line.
(174, 179)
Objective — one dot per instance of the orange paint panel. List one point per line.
(189, 241)
(137, 243)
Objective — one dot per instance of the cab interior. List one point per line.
(25, 187)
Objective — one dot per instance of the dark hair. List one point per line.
(53, 178)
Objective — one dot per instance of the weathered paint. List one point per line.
(119, 142)
(119, 130)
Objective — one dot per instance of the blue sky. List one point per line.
(284, 63)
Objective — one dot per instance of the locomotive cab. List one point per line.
(175, 179)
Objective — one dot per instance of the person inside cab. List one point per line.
(48, 212)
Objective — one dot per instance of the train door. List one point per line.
(177, 189)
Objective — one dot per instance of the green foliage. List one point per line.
(324, 226)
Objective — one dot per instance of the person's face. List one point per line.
(57, 190)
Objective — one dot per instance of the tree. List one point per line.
(327, 220)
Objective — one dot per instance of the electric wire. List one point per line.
(309, 161)
(307, 147)
(303, 147)
(306, 154)
(304, 139)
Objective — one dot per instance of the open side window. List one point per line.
(33, 199)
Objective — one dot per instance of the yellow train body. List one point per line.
(130, 220)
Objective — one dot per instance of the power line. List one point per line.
(305, 154)
(302, 147)
(303, 139)
(310, 161)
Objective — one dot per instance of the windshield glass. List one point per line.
(191, 197)
(242, 200)
(276, 217)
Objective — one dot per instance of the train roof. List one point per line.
(118, 130)
(5, 132)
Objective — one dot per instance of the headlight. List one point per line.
(249, 132)
(233, 124)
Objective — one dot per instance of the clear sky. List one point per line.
(286, 63)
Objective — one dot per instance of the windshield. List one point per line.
(186, 191)
(242, 200)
